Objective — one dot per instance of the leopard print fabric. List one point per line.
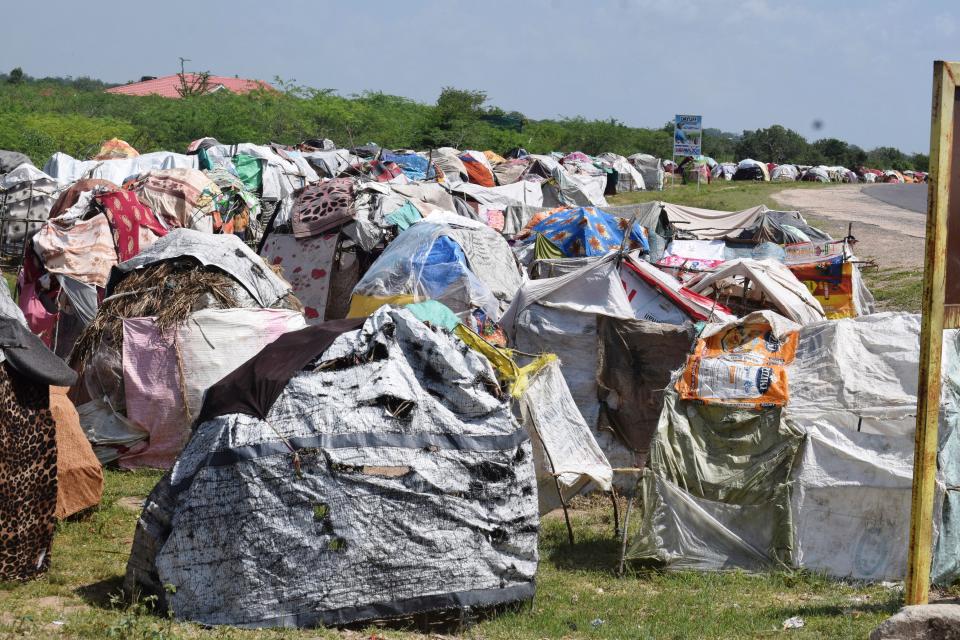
(321, 207)
(28, 476)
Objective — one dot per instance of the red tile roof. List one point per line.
(168, 86)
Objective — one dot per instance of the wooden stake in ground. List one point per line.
(940, 210)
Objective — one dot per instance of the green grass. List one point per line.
(723, 196)
(896, 290)
(575, 587)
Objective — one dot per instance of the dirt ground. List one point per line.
(889, 235)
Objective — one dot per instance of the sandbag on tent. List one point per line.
(446, 257)
(393, 460)
(747, 284)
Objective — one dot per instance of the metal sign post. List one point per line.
(941, 310)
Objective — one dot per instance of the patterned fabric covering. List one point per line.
(385, 171)
(134, 225)
(116, 148)
(321, 207)
(306, 264)
(237, 209)
(589, 231)
(28, 476)
(181, 197)
(81, 249)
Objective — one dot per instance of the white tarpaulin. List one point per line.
(708, 224)
(563, 445)
(769, 280)
(67, 170)
(522, 193)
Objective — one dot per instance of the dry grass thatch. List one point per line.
(169, 291)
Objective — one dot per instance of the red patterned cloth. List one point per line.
(133, 223)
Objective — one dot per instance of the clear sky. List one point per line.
(862, 68)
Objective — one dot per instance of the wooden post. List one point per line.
(931, 335)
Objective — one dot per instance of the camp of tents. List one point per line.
(368, 372)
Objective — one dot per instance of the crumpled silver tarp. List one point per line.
(414, 491)
(226, 252)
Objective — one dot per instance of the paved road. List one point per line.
(905, 196)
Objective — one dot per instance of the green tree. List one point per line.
(774, 144)
(16, 76)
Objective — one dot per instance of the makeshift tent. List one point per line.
(816, 174)
(570, 189)
(749, 169)
(785, 173)
(10, 160)
(460, 262)
(67, 170)
(176, 319)
(627, 176)
(566, 315)
(28, 446)
(650, 168)
(447, 160)
(479, 170)
(79, 473)
(26, 198)
(587, 231)
(179, 197)
(822, 483)
(746, 285)
(389, 456)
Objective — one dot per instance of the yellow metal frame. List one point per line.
(935, 318)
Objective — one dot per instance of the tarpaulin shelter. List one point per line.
(26, 198)
(478, 167)
(67, 170)
(176, 319)
(746, 284)
(448, 162)
(460, 262)
(627, 177)
(785, 173)
(822, 482)
(396, 479)
(816, 174)
(749, 169)
(79, 473)
(636, 315)
(28, 446)
(650, 168)
(587, 231)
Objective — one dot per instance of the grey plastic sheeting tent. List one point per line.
(415, 491)
(823, 483)
(585, 318)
